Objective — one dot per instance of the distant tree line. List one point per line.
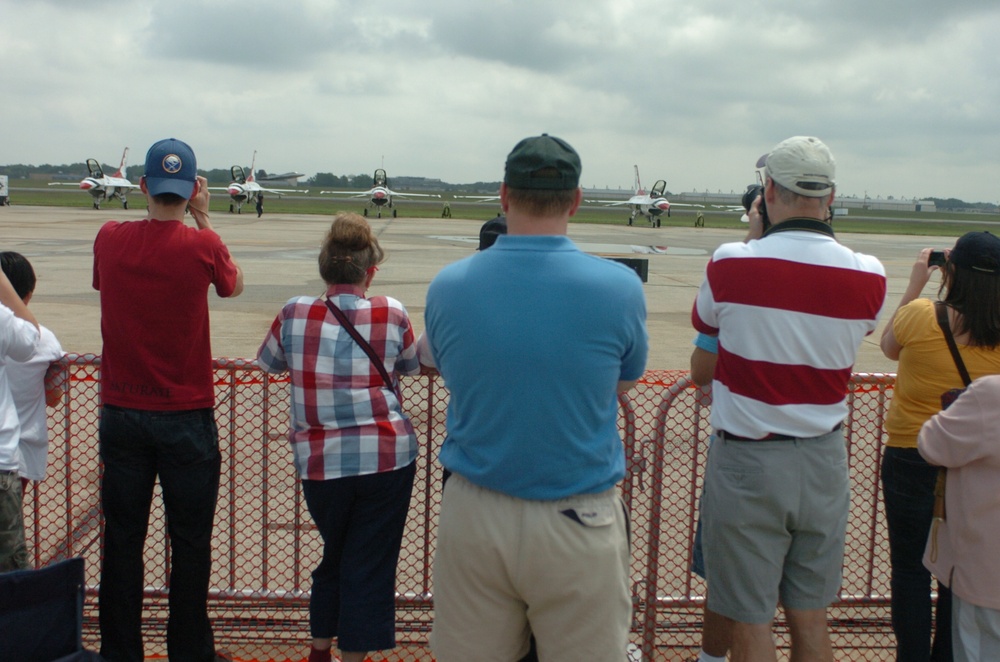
(330, 180)
(364, 181)
(224, 176)
(954, 204)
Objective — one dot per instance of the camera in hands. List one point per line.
(753, 190)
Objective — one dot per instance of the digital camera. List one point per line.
(937, 259)
(753, 190)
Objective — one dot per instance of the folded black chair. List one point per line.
(41, 614)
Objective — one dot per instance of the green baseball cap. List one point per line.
(543, 162)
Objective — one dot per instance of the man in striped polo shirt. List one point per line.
(790, 307)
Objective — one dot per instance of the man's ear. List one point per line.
(577, 201)
(142, 184)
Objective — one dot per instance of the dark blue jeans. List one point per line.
(181, 449)
(361, 520)
(908, 489)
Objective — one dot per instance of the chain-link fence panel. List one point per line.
(266, 545)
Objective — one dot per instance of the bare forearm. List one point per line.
(201, 218)
(238, 289)
(628, 385)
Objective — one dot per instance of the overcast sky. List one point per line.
(906, 94)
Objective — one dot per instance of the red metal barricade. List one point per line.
(266, 545)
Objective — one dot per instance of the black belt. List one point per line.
(773, 436)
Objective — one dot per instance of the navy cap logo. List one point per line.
(172, 164)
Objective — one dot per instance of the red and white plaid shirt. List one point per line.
(344, 420)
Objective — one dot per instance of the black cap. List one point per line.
(492, 229)
(543, 162)
(977, 251)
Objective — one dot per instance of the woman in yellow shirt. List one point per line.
(971, 287)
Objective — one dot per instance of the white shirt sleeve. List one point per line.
(18, 338)
(424, 351)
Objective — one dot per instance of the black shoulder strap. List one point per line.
(942, 318)
(346, 324)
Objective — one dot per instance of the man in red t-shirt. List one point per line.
(157, 418)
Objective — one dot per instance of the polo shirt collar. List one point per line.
(547, 242)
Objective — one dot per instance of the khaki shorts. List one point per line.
(13, 552)
(507, 567)
(775, 517)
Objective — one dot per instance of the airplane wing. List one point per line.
(612, 203)
(279, 191)
(414, 195)
(481, 198)
(347, 194)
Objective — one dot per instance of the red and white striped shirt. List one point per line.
(790, 310)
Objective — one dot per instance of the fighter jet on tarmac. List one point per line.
(652, 205)
(245, 188)
(379, 195)
(104, 187)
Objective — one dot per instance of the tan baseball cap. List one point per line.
(802, 164)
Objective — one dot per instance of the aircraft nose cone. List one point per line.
(380, 195)
(234, 190)
(87, 184)
(664, 205)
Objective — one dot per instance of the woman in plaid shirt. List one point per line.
(353, 445)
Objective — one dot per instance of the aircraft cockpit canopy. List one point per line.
(659, 189)
(238, 175)
(94, 168)
(380, 179)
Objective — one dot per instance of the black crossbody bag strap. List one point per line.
(942, 318)
(346, 324)
(941, 484)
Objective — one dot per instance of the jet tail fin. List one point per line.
(252, 177)
(124, 163)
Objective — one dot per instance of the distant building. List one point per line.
(418, 183)
(881, 204)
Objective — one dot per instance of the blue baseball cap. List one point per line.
(171, 168)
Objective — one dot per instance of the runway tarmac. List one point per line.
(278, 254)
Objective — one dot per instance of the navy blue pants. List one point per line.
(908, 489)
(361, 520)
(182, 450)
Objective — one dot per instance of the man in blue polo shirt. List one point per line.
(535, 340)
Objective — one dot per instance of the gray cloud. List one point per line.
(904, 93)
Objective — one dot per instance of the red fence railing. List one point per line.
(266, 545)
